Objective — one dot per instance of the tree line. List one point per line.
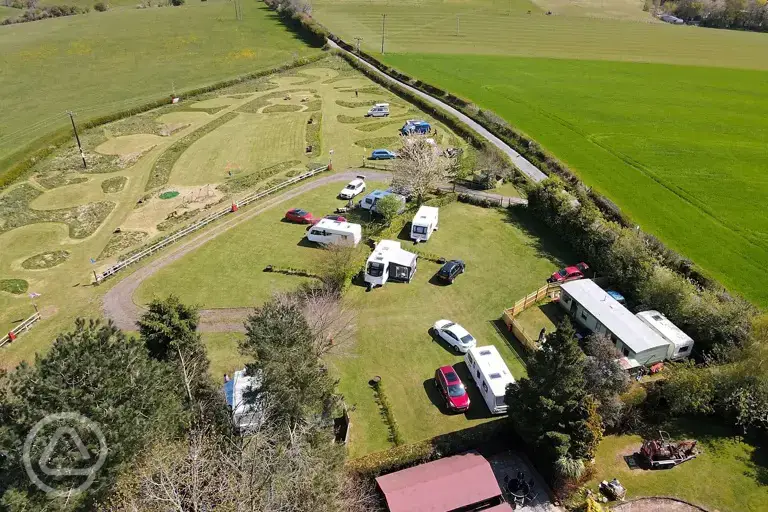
(734, 14)
(169, 432)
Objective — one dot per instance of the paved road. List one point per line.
(118, 302)
(524, 165)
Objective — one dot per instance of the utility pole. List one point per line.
(77, 137)
(383, 21)
(457, 25)
(358, 39)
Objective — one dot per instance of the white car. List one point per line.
(455, 335)
(354, 187)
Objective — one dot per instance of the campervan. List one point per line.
(424, 223)
(247, 412)
(490, 373)
(378, 110)
(329, 231)
(369, 201)
(414, 126)
(389, 262)
(680, 344)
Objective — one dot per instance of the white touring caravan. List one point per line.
(680, 344)
(329, 231)
(369, 201)
(378, 110)
(389, 262)
(491, 375)
(246, 416)
(424, 223)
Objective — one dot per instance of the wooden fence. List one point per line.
(114, 269)
(551, 290)
(21, 328)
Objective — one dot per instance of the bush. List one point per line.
(483, 202)
(100, 6)
(177, 3)
(386, 409)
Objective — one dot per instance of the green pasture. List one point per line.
(506, 258)
(100, 63)
(680, 149)
(730, 474)
(500, 27)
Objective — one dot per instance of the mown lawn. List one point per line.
(680, 149)
(730, 474)
(99, 63)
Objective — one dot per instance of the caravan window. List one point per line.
(583, 314)
(420, 230)
(500, 400)
(470, 359)
(375, 269)
(316, 232)
(683, 349)
(485, 387)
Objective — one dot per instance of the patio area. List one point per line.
(506, 467)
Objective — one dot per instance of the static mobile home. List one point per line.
(424, 223)
(490, 373)
(598, 311)
(329, 231)
(680, 344)
(246, 414)
(389, 262)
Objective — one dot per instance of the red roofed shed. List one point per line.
(443, 485)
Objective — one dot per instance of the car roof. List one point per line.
(381, 151)
(356, 182)
(458, 330)
(297, 210)
(573, 268)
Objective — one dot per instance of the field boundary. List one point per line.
(549, 290)
(114, 269)
(21, 328)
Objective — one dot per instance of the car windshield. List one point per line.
(467, 339)
(375, 269)
(563, 273)
(349, 187)
(297, 211)
(456, 390)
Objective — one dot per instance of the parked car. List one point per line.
(383, 154)
(450, 386)
(450, 270)
(300, 216)
(336, 217)
(455, 335)
(569, 273)
(353, 188)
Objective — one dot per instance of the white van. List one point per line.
(424, 223)
(491, 375)
(329, 231)
(389, 262)
(378, 110)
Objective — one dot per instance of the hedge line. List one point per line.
(17, 164)
(386, 410)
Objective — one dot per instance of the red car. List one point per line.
(337, 218)
(569, 273)
(300, 216)
(452, 389)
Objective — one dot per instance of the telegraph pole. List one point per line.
(358, 39)
(383, 21)
(457, 25)
(77, 137)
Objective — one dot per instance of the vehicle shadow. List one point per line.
(405, 233)
(305, 242)
(477, 408)
(436, 281)
(440, 341)
(436, 397)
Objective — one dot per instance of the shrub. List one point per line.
(483, 202)
(569, 469)
(100, 7)
(386, 409)
(177, 3)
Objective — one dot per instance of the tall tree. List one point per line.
(419, 166)
(97, 372)
(605, 377)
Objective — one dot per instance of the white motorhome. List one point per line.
(389, 262)
(329, 231)
(680, 344)
(247, 413)
(369, 201)
(490, 373)
(378, 110)
(424, 223)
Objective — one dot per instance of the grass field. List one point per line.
(100, 63)
(685, 161)
(504, 260)
(730, 474)
(487, 27)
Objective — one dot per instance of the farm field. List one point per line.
(100, 63)
(499, 27)
(723, 477)
(505, 260)
(684, 161)
(64, 223)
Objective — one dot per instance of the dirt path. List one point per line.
(657, 505)
(118, 302)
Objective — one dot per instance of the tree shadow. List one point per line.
(295, 28)
(521, 354)
(478, 409)
(552, 311)
(544, 240)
